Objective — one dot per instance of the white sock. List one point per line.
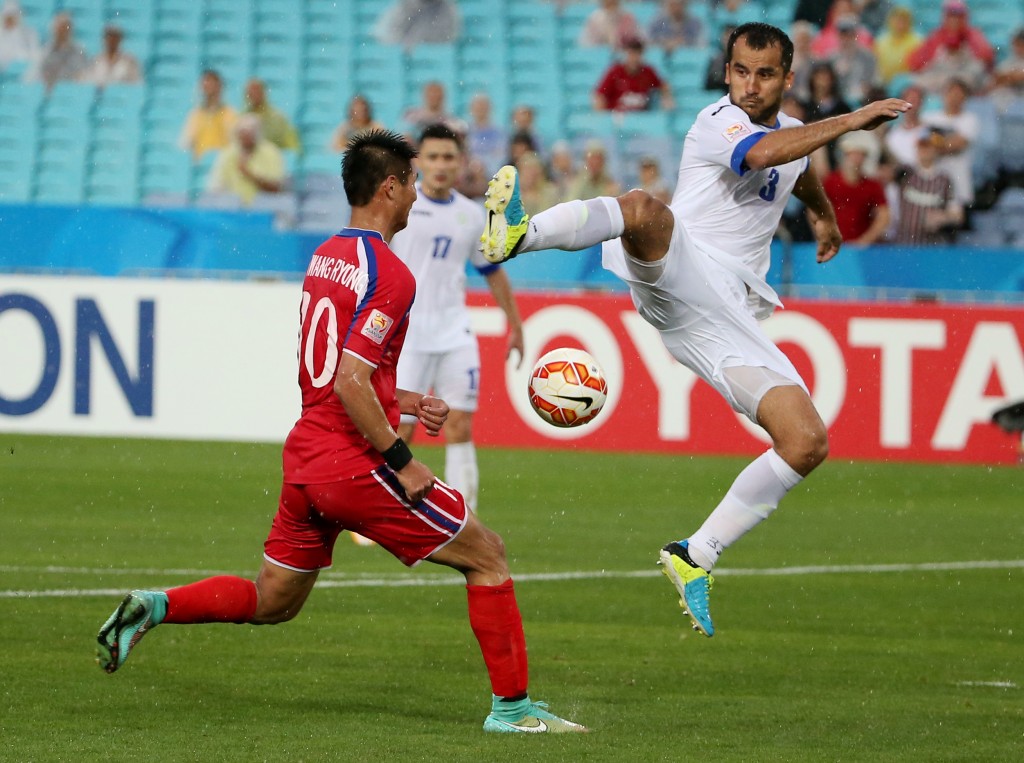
(753, 496)
(461, 472)
(574, 225)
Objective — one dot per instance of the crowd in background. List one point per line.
(910, 182)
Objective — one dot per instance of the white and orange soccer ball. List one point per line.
(567, 387)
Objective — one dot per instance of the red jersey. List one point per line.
(624, 90)
(356, 298)
(854, 204)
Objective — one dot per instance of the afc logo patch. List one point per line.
(376, 326)
(732, 132)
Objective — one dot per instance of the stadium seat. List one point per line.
(59, 176)
(589, 124)
(37, 14)
(425, 63)
(119, 101)
(1011, 137)
(164, 171)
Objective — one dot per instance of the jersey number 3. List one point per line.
(767, 191)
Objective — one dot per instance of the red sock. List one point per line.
(498, 626)
(221, 599)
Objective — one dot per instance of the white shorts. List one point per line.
(453, 376)
(702, 312)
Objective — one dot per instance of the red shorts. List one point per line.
(309, 518)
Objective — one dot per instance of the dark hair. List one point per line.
(441, 131)
(212, 73)
(759, 36)
(370, 158)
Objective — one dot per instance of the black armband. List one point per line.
(398, 455)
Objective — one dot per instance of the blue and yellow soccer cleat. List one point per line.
(692, 582)
(140, 612)
(506, 218)
(527, 717)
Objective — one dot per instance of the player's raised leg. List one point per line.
(494, 616)
(644, 223)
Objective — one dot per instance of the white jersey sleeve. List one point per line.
(724, 204)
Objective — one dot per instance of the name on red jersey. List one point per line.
(341, 272)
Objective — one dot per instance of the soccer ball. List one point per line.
(567, 387)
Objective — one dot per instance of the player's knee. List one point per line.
(814, 447)
(490, 555)
(639, 208)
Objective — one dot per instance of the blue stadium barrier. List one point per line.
(113, 241)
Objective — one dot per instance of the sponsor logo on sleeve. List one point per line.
(376, 326)
(734, 131)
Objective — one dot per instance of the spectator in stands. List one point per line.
(562, 169)
(902, 136)
(250, 165)
(411, 22)
(609, 26)
(536, 191)
(862, 211)
(432, 110)
(594, 180)
(960, 129)
(63, 58)
(802, 34)
(484, 139)
(632, 84)
(208, 126)
(854, 64)
(473, 177)
(524, 119)
(929, 212)
(360, 118)
(19, 43)
(954, 49)
(827, 41)
(1009, 75)
(714, 76)
(674, 27)
(650, 179)
(114, 65)
(519, 144)
(274, 125)
(825, 99)
(894, 46)
(812, 11)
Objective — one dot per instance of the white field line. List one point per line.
(343, 580)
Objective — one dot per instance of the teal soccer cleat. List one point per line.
(506, 218)
(527, 717)
(692, 582)
(138, 613)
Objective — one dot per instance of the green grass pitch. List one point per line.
(866, 653)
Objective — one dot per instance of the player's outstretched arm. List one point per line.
(783, 146)
(809, 190)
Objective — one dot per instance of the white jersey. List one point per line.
(730, 211)
(441, 237)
